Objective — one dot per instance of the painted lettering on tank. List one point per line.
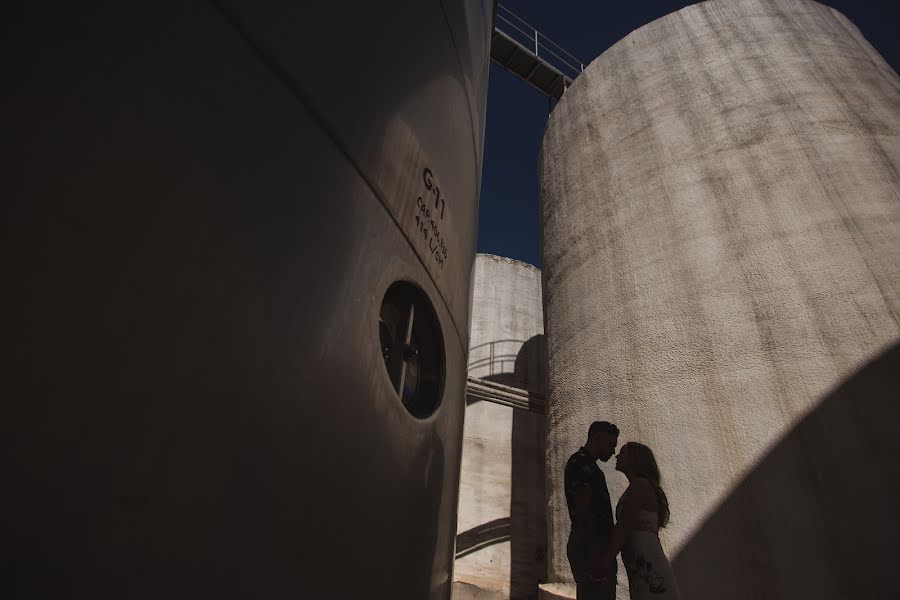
(429, 218)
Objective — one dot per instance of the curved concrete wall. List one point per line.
(501, 538)
(721, 263)
(206, 204)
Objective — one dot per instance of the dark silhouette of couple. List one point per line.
(643, 509)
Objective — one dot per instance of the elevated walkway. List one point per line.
(490, 391)
(532, 56)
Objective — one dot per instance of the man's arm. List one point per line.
(578, 486)
(583, 510)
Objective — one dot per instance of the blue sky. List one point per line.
(517, 113)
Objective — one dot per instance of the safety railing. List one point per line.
(516, 28)
(498, 356)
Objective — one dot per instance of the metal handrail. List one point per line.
(494, 358)
(538, 41)
(487, 360)
(526, 24)
(492, 342)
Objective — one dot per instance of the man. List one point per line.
(591, 512)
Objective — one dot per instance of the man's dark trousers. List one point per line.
(577, 551)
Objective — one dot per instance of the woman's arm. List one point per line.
(636, 497)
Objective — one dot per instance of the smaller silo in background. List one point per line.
(501, 539)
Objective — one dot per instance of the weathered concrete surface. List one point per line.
(468, 591)
(501, 538)
(556, 591)
(721, 251)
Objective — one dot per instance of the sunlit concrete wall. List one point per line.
(721, 264)
(501, 539)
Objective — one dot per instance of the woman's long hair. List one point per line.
(644, 465)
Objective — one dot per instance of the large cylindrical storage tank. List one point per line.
(240, 242)
(721, 262)
(501, 533)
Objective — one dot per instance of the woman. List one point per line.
(641, 512)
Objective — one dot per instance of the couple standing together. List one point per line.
(594, 541)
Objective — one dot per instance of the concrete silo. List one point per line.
(501, 537)
(240, 242)
(721, 263)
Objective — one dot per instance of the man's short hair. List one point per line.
(606, 426)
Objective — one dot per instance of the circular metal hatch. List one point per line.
(412, 346)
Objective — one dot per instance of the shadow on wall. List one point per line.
(819, 517)
(496, 361)
(525, 528)
(528, 498)
(491, 361)
(486, 534)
